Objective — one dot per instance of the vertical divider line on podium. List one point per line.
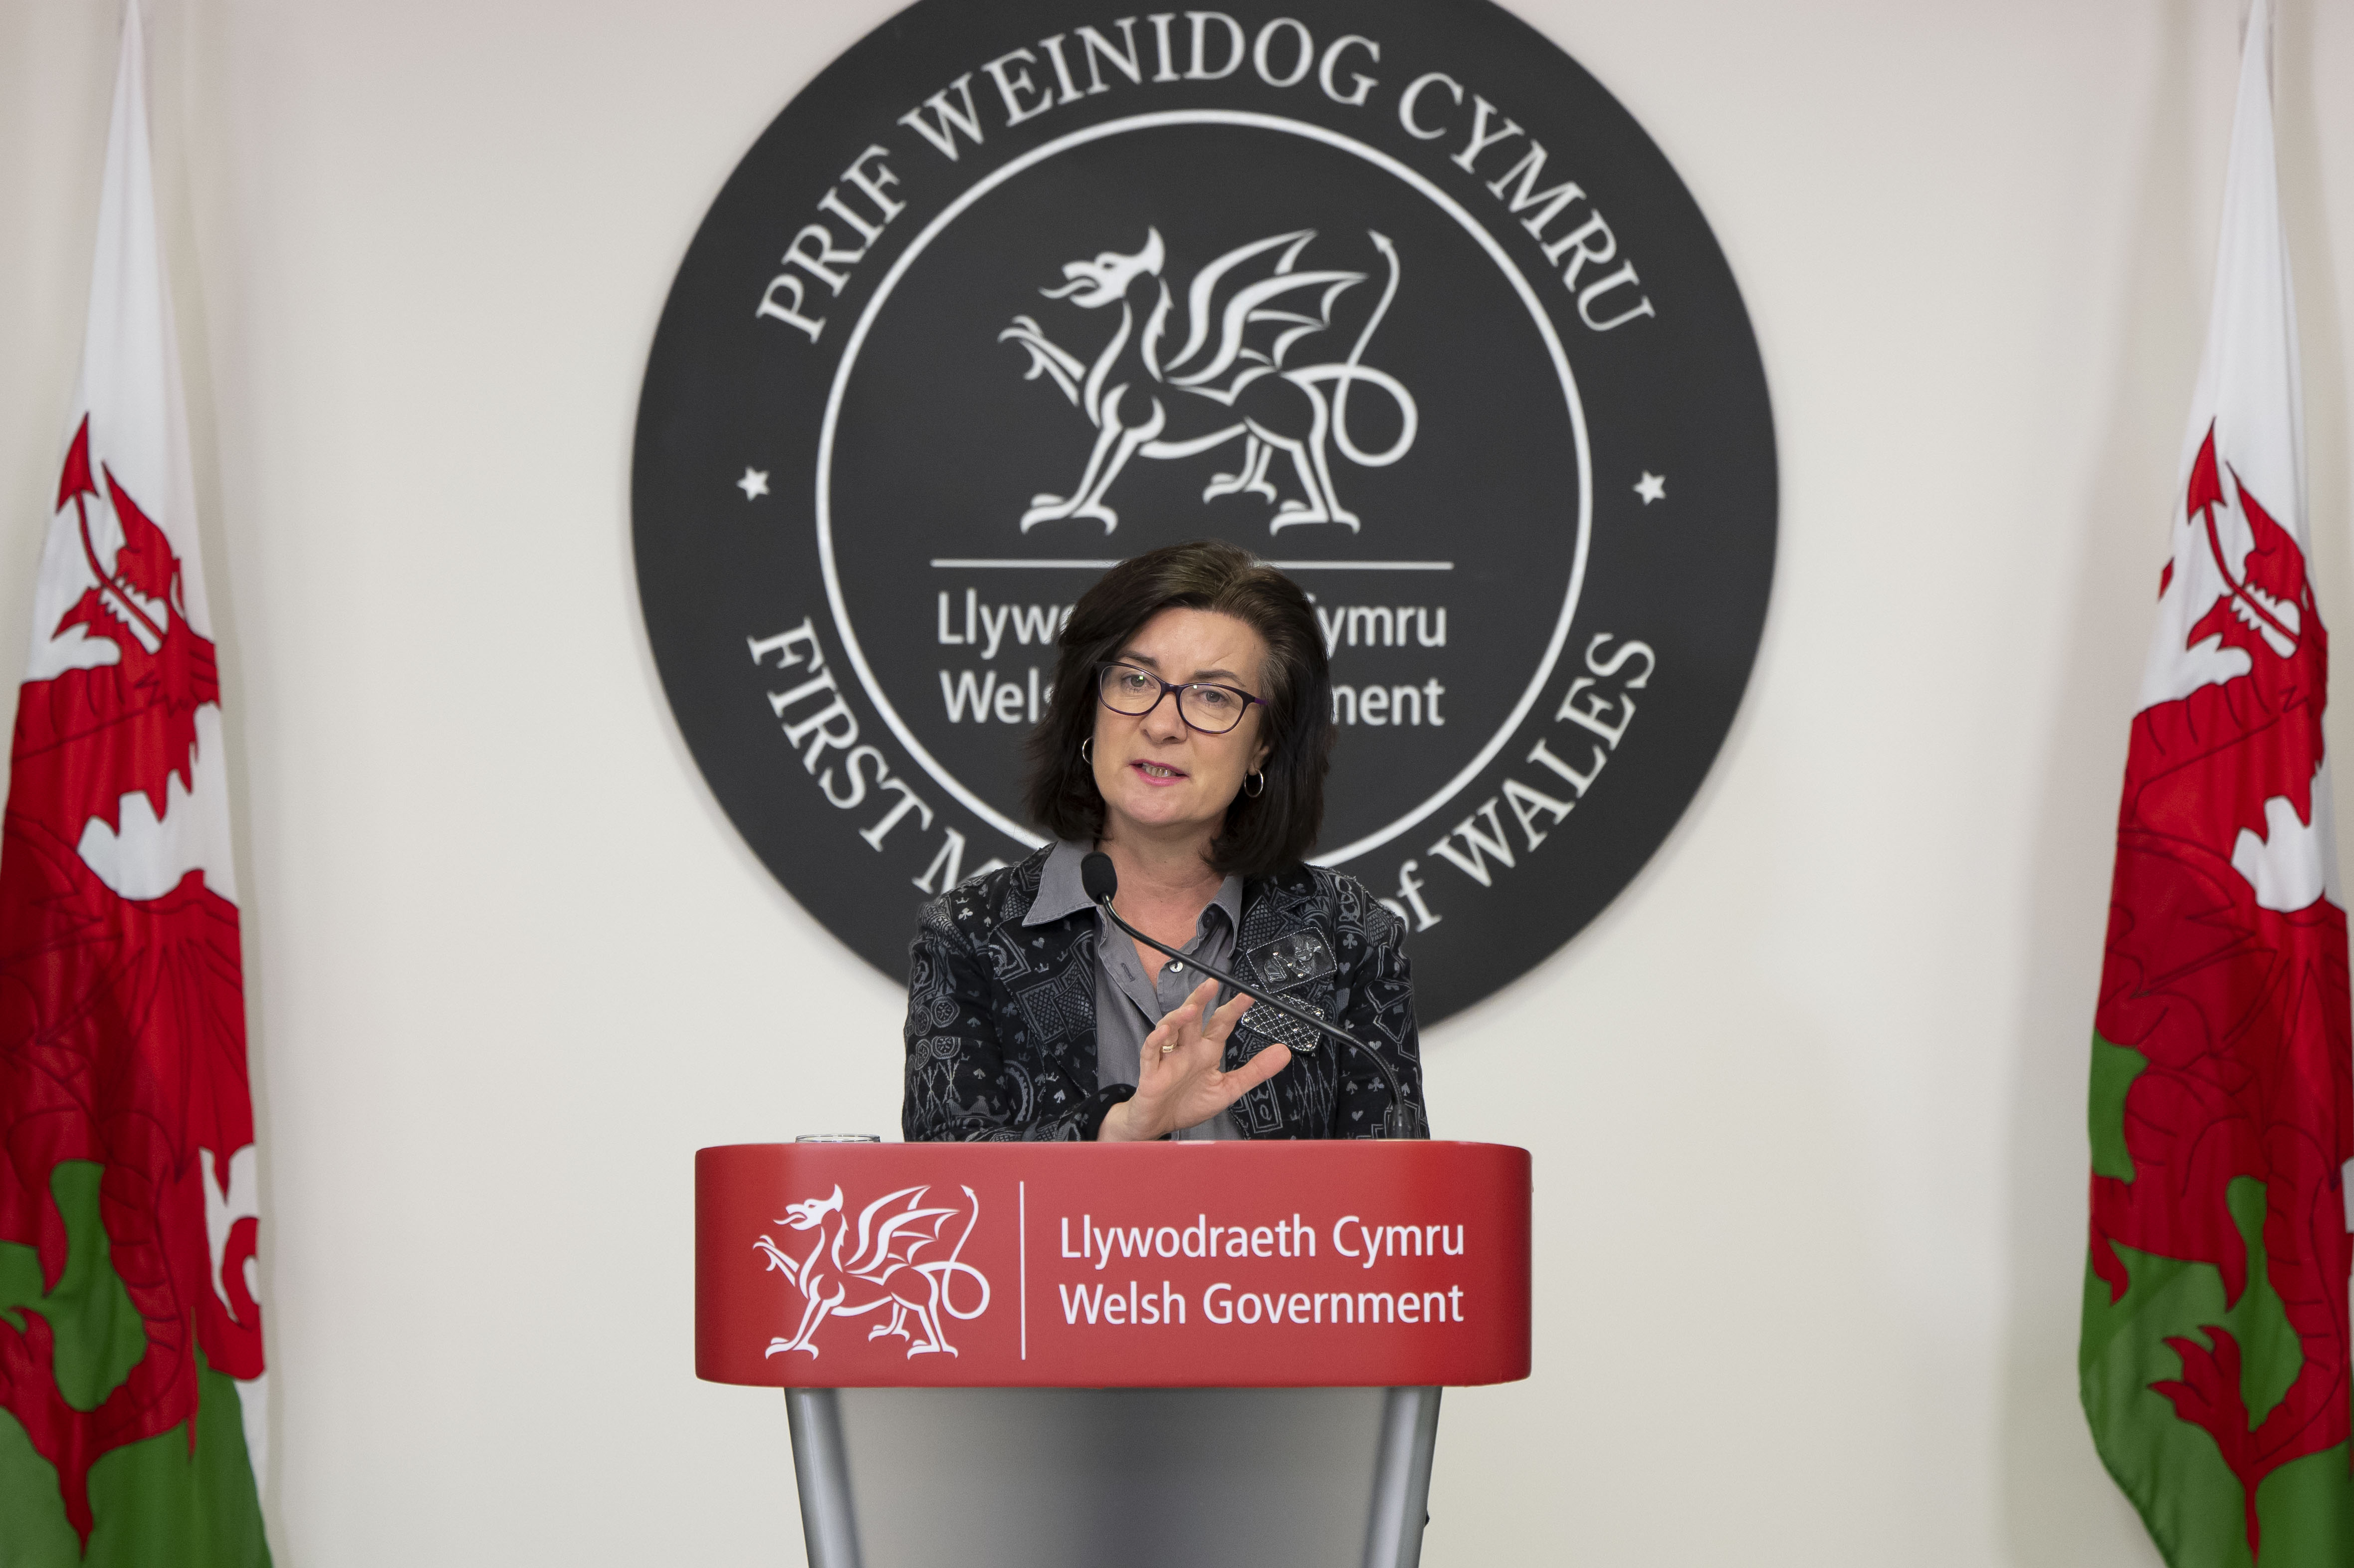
(822, 1472)
(1022, 1243)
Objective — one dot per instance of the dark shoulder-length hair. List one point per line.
(1264, 832)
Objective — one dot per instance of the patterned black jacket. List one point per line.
(1002, 1018)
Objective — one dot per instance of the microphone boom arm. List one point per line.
(1398, 1122)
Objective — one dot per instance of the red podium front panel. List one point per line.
(1160, 1264)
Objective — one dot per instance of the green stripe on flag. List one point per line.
(100, 1337)
(2171, 1470)
(2114, 1068)
(154, 1501)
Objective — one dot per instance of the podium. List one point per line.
(1031, 1339)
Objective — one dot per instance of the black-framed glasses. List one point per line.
(1210, 708)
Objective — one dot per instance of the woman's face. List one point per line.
(1161, 778)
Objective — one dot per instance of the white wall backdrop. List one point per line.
(1807, 1104)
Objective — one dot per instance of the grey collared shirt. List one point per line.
(1128, 1004)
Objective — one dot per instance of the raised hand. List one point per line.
(1178, 1082)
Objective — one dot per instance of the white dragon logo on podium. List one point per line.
(1246, 312)
(879, 1261)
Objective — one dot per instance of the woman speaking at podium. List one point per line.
(1187, 741)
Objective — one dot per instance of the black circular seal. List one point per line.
(1394, 294)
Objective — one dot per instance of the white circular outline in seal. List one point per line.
(1038, 154)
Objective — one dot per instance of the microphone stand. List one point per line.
(1398, 1121)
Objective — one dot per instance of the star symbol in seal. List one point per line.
(1651, 487)
(755, 482)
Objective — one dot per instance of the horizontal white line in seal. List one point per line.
(1063, 564)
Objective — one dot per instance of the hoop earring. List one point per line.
(1086, 752)
(1255, 794)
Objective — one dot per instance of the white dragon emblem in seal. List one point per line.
(1233, 376)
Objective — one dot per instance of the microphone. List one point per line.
(1101, 880)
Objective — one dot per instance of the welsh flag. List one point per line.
(130, 1344)
(2213, 1359)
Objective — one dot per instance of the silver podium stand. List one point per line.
(1305, 1477)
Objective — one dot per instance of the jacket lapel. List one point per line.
(1282, 951)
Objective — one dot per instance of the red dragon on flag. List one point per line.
(122, 1019)
(2228, 1019)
